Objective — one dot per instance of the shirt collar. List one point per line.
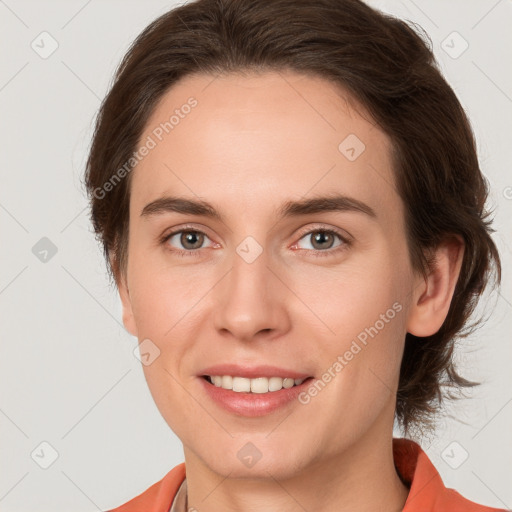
(418, 472)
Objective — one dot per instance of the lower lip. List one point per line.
(252, 404)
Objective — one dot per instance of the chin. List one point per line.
(248, 460)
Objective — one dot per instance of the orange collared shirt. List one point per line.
(427, 492)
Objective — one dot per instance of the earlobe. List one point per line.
(432, 298)
(124, 294)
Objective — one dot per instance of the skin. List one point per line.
(252, 143)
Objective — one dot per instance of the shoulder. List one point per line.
(427, 492)
(451, 500)
(158, 497)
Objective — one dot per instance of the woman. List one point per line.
(237, 139)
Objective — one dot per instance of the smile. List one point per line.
(256, 385)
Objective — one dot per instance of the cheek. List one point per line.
(366, 364)
(352, 297)
(164, 298)
(173, 401)
(365, 355)
(364, 310)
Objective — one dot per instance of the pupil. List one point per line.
(189, 237)
(321, 236)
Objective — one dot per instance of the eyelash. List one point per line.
(316, 253)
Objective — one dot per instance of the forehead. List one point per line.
(256, 139)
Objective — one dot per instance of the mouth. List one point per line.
(253, 390)
(257, 385)
(253, 397)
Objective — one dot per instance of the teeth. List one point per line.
(258, 385)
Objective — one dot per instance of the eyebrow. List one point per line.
(331, 203)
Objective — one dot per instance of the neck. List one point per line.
(361, 478)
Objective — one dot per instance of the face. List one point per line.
(319, 291)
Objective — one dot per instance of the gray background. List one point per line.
(68, 374)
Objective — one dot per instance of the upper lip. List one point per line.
(252, 372)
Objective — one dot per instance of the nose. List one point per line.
(251, 300)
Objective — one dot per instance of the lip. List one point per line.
(252, 372)
(252, 404)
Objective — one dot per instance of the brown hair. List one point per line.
(389, 68)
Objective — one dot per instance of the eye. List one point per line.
(322, 241)
(189, 241)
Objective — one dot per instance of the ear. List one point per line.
(124, 294)
(432, 296)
